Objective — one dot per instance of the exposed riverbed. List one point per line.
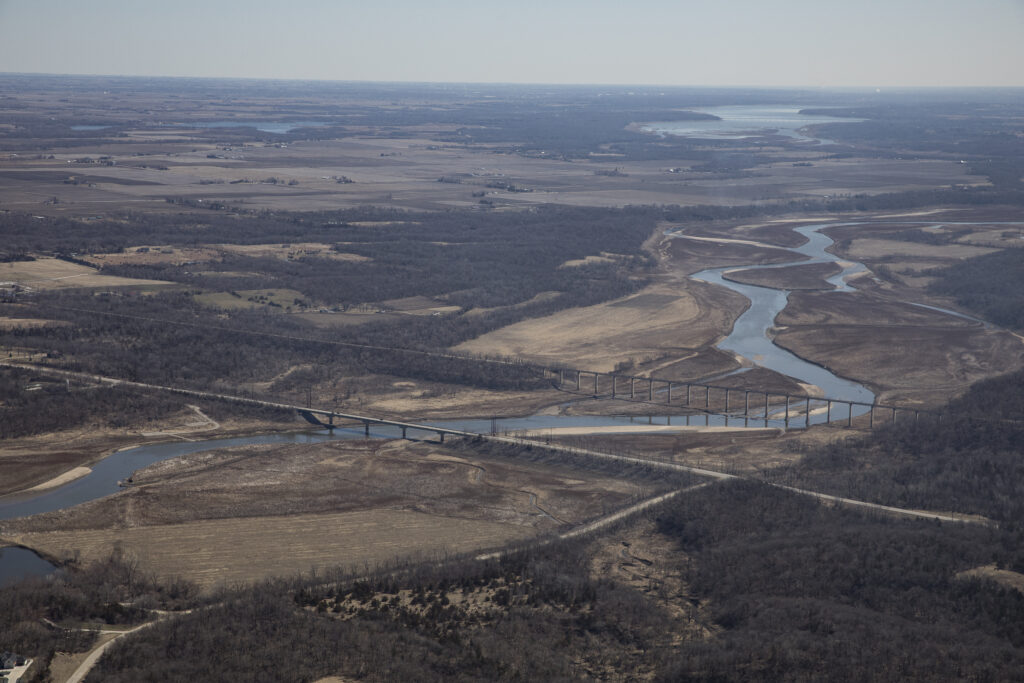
(750, 338)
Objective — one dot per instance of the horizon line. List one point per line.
(876, 88)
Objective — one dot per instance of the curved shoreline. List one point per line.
(61, 479)
(751, 334)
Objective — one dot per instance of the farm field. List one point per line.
(257, 512)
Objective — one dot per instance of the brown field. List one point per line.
(51, 273)
(861, 308)
(908, 364)
(260, 511)
(404, 172)
(418, 305)
(1004, 577)
(13, 323)
(692, 255)
(908, 354)
(157, 255)
(291, 251)
(737, 451)
(1005, 236)
(664, 320)
(869, 248)
(230, 551)
(30, 461)
(251, 298)
(811, 276)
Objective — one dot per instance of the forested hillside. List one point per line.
(969, 461)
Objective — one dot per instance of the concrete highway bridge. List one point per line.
(748, 403)
(334, 419)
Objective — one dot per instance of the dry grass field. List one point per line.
(247, 513)
(669, 319)
(912, 365)
(869, 248)
(14, 323)
(251, 298)
(404, 172)
(811, 276)
(230, 551)
(51, 273)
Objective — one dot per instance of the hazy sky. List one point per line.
(875, 43)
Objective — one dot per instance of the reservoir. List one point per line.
(739, 122)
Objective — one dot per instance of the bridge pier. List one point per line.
(578, 373)
(766, 409)
(632, 387)
(403, 433)
(595, 385)
(366, 429)
(687, 395)
(787, 411)
(871, 416)
(849, 415)
(807, 410)
(650, 389)
(828, 413)
(727, 400)
(669, 400)
(440, 437)
(707, 397)
(746, 405)
(614, 378)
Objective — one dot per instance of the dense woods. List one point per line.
(36, 404)
(499, 262)
(802, 591)
(968, 462)
(991, 286)
(785, 588)
(42, 616)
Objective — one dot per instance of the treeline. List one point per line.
(968, 462)
(991, 286)
(538, 615)
(28, 406)
(38, 404)
(801, 591)
(776, 587)
(41, 616)
(168, 339)
(471, 259)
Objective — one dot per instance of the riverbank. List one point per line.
(47, 461)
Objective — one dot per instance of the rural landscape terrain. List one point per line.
(326, 381)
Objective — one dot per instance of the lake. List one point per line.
(738, 122)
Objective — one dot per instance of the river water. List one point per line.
(739, 122)
(749, 338)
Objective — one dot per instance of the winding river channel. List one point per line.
(750, 334)
(749, 339)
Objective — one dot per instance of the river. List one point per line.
(748, 338)
(750, 334)
(738, 122)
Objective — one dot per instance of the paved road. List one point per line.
(85, 667)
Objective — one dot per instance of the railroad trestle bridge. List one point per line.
(739, 402)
